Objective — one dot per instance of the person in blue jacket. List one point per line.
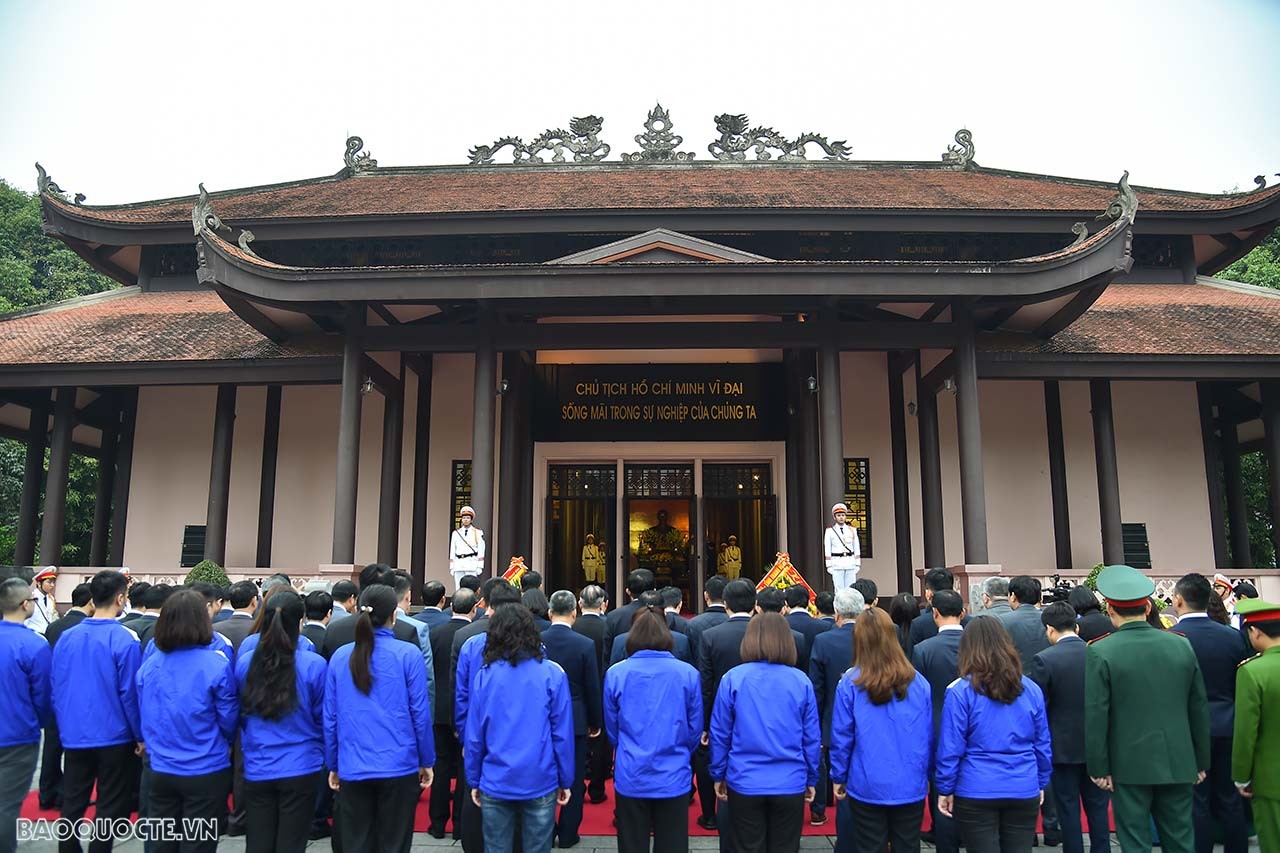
(882, 739)
(765, 741)
(282, 730)
(187, 698)
(378, 743)
(25, 707)
(95, 702)
(653, 713)
(994, 757)
(518, 745)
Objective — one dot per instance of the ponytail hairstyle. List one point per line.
(271, 689)
(377, 609)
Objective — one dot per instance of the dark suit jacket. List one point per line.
(343, 631)
(577, 657)
(719, 652)
(937, 659)
(314, 633)
(923, 627)
(433, 618)
(682, 651)
(1059, 670)
(713, 616)
(479, 625)
(1095, 624)
(1027, 630)
(441, 650)
(677, 624)
(145, 627)
(807, 625)
(62, 623)
(236, 628)
(831, 656)
(222, 615)
(592, 627)
(1220, 649)
(618, 622)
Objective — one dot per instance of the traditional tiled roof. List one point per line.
(720, 186)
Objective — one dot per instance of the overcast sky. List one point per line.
(126, 101)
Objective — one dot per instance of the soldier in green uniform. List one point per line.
(1256, 745)
(1146, 718)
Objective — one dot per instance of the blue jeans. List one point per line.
(537, 821)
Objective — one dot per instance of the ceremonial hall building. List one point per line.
(661, 349)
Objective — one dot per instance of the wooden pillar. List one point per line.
(423, 366)
(55, 490)
(348, 476)
(1237, 507)
(24, 551)
(524, 515)
(830, 425)
(509, 473)
(1213, 474)
(901, 478)
(124, 472)
(813, 518)
(267, 477)
(935, 543)
(1104, 451)
(482, 439)
(1271, 444)
(215, 530)
(105, 488)
(973, 496)
(392, 461)
(795, 531)
(1057, 475)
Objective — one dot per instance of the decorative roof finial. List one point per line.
(582, 140)
(960, 156)
(45, 185)
(1260, 181)
(1125, 204)
(658, 144)
(1081, 230)
(735, 139)
(202, 215)
(246, 237)
(79, 199)
(359, 163)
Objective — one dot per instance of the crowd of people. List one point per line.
(331, 713)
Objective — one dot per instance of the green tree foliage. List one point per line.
(209, 572)
(1260, 267)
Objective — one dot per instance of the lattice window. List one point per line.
(737, 481)
(658, 481)
(1137, 548)
(460, 494)
(583, 481)
(192, 545)
(857, 495)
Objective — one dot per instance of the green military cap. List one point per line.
(1253, 611)
(1125, 586)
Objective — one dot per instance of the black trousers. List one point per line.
(448, 767)
(114, 769)
(765, 824)
(706, 787)
(186, 797)
(666, 819)
(570, 819)
(1217, 797)
(1072, 787)
(874, 827)
(946, 836)
(376, 815)
(997, 826)
(236, 819)
(818, 808)
(51, 768)
(278, 813)
(599, 759)
(468, 817)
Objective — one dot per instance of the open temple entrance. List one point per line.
(581, 517)
(741, 519)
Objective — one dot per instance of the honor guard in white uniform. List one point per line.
(466, 548)
(44, 606)
(842, 549)
(592, 561)
(732, 559)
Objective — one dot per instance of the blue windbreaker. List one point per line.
(25, 703)
(988, 750)
(249, 643)
(469, 658)
(386, 733)
(867, 738)
(219, 644)
(294, 744)
(519, 730)
(189, 710)
(95, 692)
(765, 735)
(653, 714)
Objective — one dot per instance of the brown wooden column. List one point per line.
(795, 530)
(105, 489)
(215, 530)
(482, 438)
(267, 477)
(524, 518)
(1057, 475)
(347, 480)
(422, 368)
(124, 472)
(392, 462)
(24, 551)
(55, 490)
(935, 543)
(830, 423)
(505, 537)
(901, 479)
(1213, 474)
(973, 493)
(1271, 445)
(813, 517)
(1104, 451)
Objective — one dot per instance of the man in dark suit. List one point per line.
(937, 659)
(577, 657)
(318, 606)
(50, 794)
(448, 749)
(244, 604)
(797, 598)
(825, 604)
(831, 656)
(342, 632)
(923, 626)
(593, 601)
(672, 602)
(1059, 670)
(618, 622)
(1220, 649)
(771, 600)
(432, 612)
(870, 592)
(713, 595)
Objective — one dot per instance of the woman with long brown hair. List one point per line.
(882, 718)
(994, 757)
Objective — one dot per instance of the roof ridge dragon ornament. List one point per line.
(960, 155)
(203, 216)
(736, 139)
(358, 161)
(658, 144)
(1125, 204)
(582, 140)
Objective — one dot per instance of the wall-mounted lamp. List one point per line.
(911, 408)
(812, 384)
(949, 384)
(366, 387)
(503, 386)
